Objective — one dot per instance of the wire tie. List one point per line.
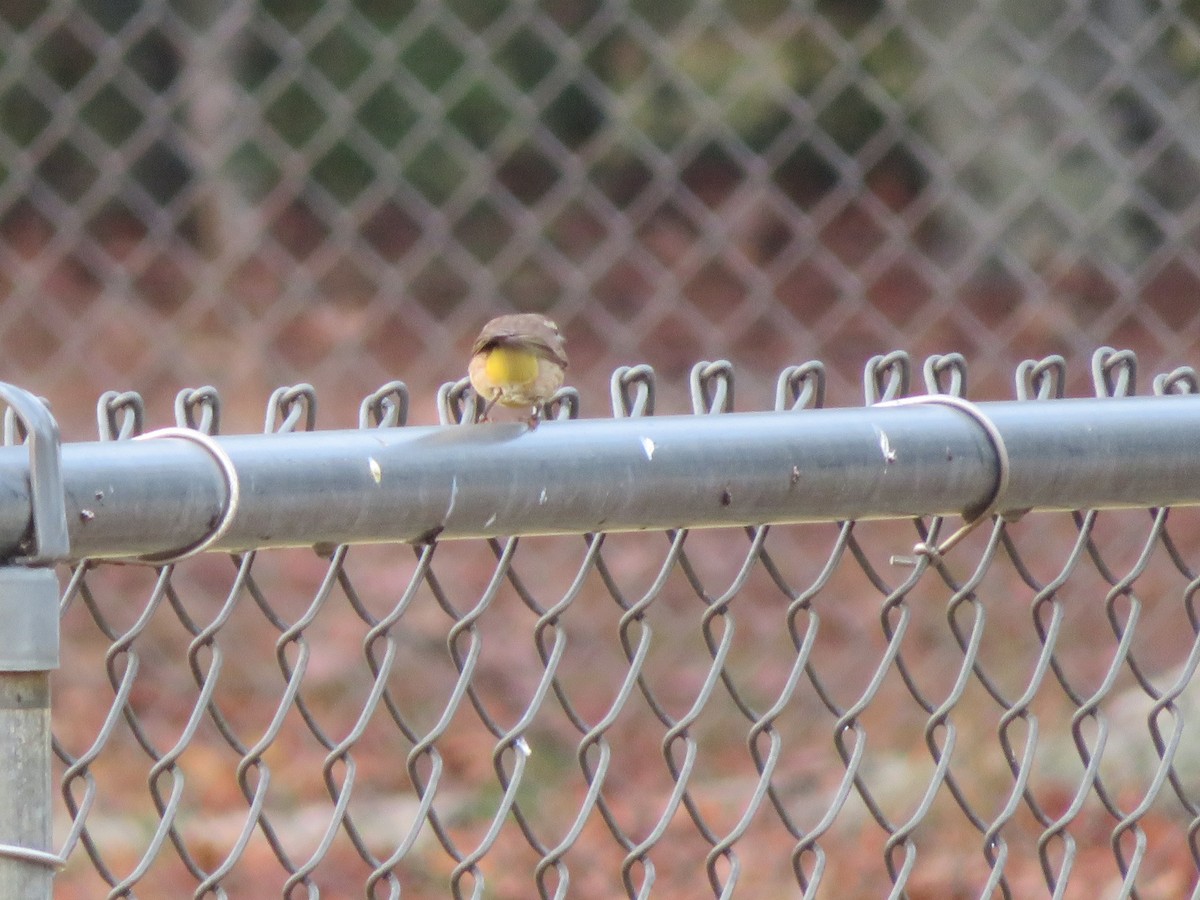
(233, 494)
(935, 553)
(42, 858)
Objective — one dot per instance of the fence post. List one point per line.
(29, 634)
(29, 620)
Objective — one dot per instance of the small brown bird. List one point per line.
(518, 360)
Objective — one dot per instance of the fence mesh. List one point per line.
(255, 193)
(721, 711)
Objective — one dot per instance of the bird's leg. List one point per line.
(487, 408)
(535, 417)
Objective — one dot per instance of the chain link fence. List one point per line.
(725, 711)
(254, 193)
(246, 194)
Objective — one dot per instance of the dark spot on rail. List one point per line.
(429, 535)
(726, 497)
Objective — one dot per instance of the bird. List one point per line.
(518, 360)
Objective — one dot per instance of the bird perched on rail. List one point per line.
(518, 360)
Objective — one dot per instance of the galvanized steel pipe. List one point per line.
(128, 498)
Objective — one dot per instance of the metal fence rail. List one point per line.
(796, 697)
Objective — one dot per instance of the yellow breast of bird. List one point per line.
(514, 377)
(511, 367)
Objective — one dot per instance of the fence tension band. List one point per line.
(233, 494)
(973, 517)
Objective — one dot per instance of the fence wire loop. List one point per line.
(801, 387)
(457, 403)
(886, 377)
(199, 409)
(948, 365)
(1114, 372)
(638, 379)
(386, 407)
(1182, 380)
(563, 406)
(1041, 379)
(712, 387)
(232, 493)
(120, 415)
(291, 407)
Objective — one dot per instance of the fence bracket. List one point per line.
(29, 594)
(51, 542)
